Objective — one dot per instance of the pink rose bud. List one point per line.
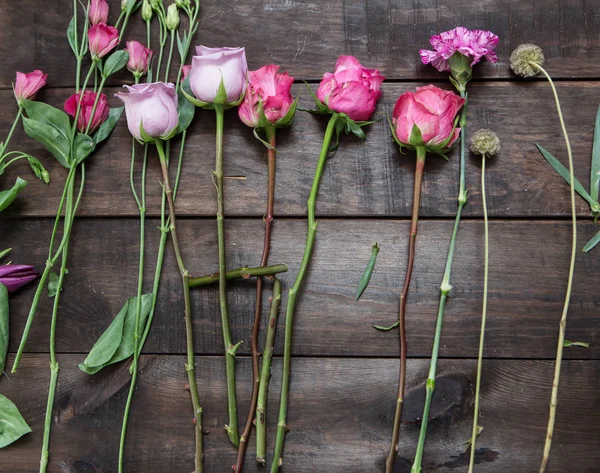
(270, 89)
(27, 85)
(210, 66)
(98, 12)
(86, 104)
(433, 112)
(102, 40)
(139, 58)
(151, 110)
(15, 276)
(352, 89)
(185, 70)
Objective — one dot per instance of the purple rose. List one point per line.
(15, 276)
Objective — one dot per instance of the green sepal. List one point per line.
(195, 101)
(592, 243)
(461, 71)
(264, 142)
(568, 343)
(288, 118)
(145, 137)
(233, 349)
(3, 253)
(322, 109)
(416, 137)
(8, 196)
(395, 135)
(381, 328)
(115, 62)
(108, 126)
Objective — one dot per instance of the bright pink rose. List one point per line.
(210, 65)
(151, 107)
(102, 39)
(27, 85)
(351, 89)
(474, 44)
(270, 89)
(98, 12)
(139, 58)
(86, 104)
(433, 111)
(185, 70)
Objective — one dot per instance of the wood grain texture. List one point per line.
(529, 261)
(340, 416)
(362, 179)
(305, 36)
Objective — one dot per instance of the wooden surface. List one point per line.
(344, 372)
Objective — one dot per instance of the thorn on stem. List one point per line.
(194, 421)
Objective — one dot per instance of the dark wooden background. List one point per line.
(344, 372)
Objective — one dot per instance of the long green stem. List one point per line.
(293, 293)
(483, 316)
(96, 100)
(563, 319)
(265, 375)
(171, 47)
(243, 273)
(445, 288)
(4, 146)
(189, 367)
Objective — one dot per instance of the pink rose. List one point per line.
(211, 65)
(86, 105)
(102, 39)
(152, 108)
(27, 85)
(351, 89)
(433, 111)
(270, 89)
(139, 58)
(185, 70)
(98, 12)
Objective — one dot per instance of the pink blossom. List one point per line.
(15, 276)
(270, 89)
(86, 105)
(98, 12)
(27, 85)
(351, 89)
(474, 44)
(102, 39)
(139, 58)
(433, 111)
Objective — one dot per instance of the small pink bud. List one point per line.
(27, 85)
(139, 58)
(98, 12)
(102, 40)
(86, 104)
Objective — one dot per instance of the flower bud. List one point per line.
(172, 17)
(485, 142)
(27, 85)
(81, 105)
(124, 4)
(146, 11)
(156, 4)
(102, 40)
(139, 58)
(182, 3)
(98, 12)
(524, 58)
(15, 276)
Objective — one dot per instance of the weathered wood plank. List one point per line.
(340, 415)
(367, 179)
(305, 36)
(529, 262)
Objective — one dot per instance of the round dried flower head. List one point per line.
(485, 142)
(523, 58)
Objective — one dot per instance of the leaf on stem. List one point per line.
(4, 324)
(568, 343)
(3, 253)
(592, 243)
(53, 284)
(187, 109)
(115, 62)
(8, 196)
(50, 137)
(71, 33)
(107, 127)
(595, 171)
(366, 277)
(82, 148)
(386, 329)
(468, 443)
(49, 115)
(12, 422)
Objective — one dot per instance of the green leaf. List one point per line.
(117, 342)
(181, 47)
(8, 196)
(3, 328)
(52, 284)
(71, 32)
(366, 277)
(12, 424)
(187, 110)
(564, 173)
(592, 243)
(355, 129)
(264, 142)
(82, 148)
(595, 171)
(49, 115)
(386, 329)
(107, 127)
(50, 137)
(115, 62)
(568, 343)
(3, 253)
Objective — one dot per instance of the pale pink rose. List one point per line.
(351, 89)
(98, 12)
(433, 111)
(86, 104)
(152, 107)
(139, 57)
(102, 39)
(270, 89)
(211, 65)
(28, 85)
(474, 44)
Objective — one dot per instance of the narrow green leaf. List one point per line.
(568, 343)
(52, 284)
(12, 424)
(107, 127)
(180, 47)
(264, 142)
(386, 329)
(50, 137)
(467, 444)
(71, 32)
(83, 147)
(4, 320)
(564, 173)
(366, 277)
(8, 196)
(355, 129)
(595, 171)
(3, 253)
(592, 243)
(49, 115)
(115, 62)
(187, 110)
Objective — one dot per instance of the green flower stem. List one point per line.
(483, 316)
(265, 375)
(271, 165)
(162, 41)
(189, 366)
(445, 288)
(125, 22)
(230, 348)
(4, 146)
(243, 273)
(96, 100)
(171, 47)
(419, 168)
(293, 293)
(563, 319)
(85, 82)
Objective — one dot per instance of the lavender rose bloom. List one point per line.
(151, 107)
(210, 65)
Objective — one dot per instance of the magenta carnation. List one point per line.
(470, 43)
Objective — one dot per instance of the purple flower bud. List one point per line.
(15, 276)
